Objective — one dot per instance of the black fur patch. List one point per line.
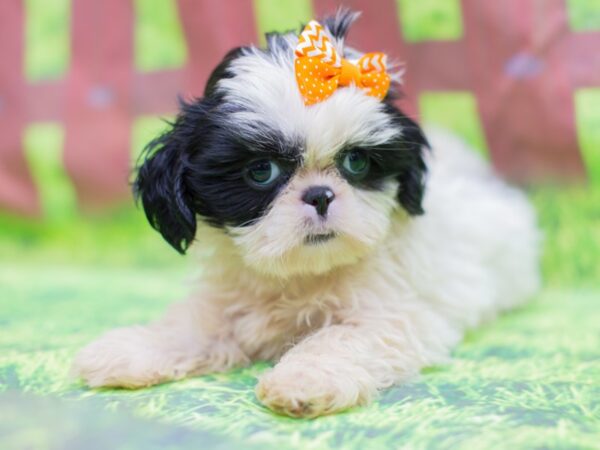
(339, 24)
(222, 70)
(221, 193)
(413, 173)
(197, 168)
(400, 158)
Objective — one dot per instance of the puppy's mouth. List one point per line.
(315, 239)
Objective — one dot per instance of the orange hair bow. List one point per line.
(320, 70)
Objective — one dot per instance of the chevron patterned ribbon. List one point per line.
(320, 69)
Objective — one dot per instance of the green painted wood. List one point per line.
(43, 144)
(584, 15)
(587, 113)
(158, 37)
(281, 15)
(429, 20)
(455, 111)
(47, 39)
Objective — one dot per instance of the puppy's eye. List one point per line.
(262, 172)
(356, 163)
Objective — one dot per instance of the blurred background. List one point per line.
(85, 84)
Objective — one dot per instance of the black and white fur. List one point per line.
(345, 297)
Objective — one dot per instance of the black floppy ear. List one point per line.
(161, 179)
(411, 191)
(412, 177)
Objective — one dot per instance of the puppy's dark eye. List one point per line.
(356, 164)
(262, 172)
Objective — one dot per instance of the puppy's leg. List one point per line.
(344, 365)
(191, 339)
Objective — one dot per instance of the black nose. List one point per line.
(320, 197)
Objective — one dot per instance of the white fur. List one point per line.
(266, 90)
(388, 296)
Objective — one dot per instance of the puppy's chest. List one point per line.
(270, 325)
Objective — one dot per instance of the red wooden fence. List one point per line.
(518, 57)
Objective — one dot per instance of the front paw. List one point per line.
(309, 388)
(127, 357)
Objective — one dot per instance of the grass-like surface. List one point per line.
(529, 380)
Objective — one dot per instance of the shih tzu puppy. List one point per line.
(337, 240)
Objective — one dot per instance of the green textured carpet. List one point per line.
(529, 380)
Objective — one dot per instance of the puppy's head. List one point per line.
(295, 188)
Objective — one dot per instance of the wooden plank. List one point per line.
(17, 190)
(45, 101)
(281, 16)
(98, 101)
(212, 29)
(151, 92)
(439, 66)
(156, 92)
(582, 61)
(524, 93)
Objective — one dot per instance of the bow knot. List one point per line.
(349, 74)
(320, 70)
